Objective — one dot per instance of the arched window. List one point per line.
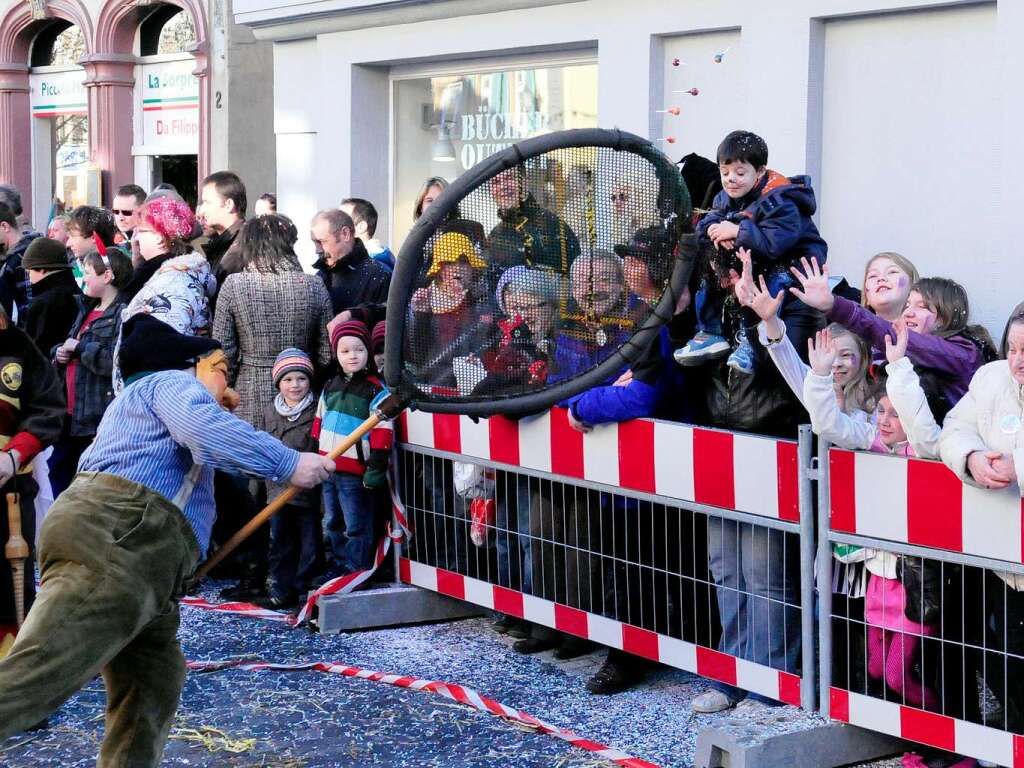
(168, 29)
(60, 43)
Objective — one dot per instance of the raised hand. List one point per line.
(898, 350)
(821, 353)
(814, 290)
(744, 287)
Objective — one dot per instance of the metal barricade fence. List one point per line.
(922, 628)
(644, 536)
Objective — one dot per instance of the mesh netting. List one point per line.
(541, 273)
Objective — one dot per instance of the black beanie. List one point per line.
(149, 345)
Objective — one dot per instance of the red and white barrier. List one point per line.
(706, 662)
(930, 728)
(458, 693)
(915, 501)
(734, 471)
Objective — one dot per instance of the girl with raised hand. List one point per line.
(888, 278)
(936, 311)
(848, 373)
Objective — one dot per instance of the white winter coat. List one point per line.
(990, 417)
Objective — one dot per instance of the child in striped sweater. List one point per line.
(346, 401)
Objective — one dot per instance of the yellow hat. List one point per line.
(449, 248)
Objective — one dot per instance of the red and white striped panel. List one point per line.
(723, 469)
(930, 728)
(706, 662)
(922, 502)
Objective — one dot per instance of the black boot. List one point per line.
(573, 647)
(620, 672)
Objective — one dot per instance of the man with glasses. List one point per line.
(127, 202)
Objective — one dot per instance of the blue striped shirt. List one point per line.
(166, 432)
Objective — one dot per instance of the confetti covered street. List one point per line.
(296, 719)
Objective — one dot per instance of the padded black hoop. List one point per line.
(537, 168)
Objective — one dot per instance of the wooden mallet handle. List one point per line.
(16, 551)
(268, 511)
(16, 547)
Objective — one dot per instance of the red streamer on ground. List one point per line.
(457, 693)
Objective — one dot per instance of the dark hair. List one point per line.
(1016, 318)
(271, 198)
(337, 219)
(165, 186)
(948, 299)
(89, 220)
(116, 261)
(267, 244)
(363, 212)
(132, 190)
(7, 215)
(743, 147)
(230, 187)
(11, 197)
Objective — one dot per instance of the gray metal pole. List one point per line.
(808, 549)
(824, 581)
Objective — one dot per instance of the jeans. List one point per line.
(756, 574)
(348, 522)
(709, 302)
(512, 520)
(114, 557)
(296, 550)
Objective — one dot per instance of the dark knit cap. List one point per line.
(149, 345)
(45, 253)
(653, 246)
(377, 337)
(355, 328)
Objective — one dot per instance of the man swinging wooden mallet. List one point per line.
(119, 545)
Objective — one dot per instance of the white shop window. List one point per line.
(446, 122)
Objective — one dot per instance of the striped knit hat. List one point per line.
(377, 337)
(291, 359)
(355, 328)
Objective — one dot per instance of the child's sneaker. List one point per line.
(742, 358)
(702, 348)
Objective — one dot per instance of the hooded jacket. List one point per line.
(774, 220)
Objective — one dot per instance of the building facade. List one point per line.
(95, 94)
(900, 110)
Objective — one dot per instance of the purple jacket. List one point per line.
(956, 357)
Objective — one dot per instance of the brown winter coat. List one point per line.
(260, 314)
(298, 435)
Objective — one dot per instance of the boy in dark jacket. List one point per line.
(54, 305)
(296, 539)
(768, 214)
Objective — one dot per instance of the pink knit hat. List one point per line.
(170, 218)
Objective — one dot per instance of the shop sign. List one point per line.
(170, 107)
(58, 93)
(486, 133)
